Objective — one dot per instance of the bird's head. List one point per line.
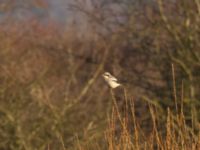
(107, 75)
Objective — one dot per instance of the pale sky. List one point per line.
(58, 10)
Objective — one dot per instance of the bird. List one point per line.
(116, 89)
(111, 80)
(120, 101)
(123, 104)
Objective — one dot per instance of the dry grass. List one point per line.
(52, 95)
(175, 134)
(124, 132)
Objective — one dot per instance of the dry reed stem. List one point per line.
(62, 142)
(174, 87)
(136, 136)
(155, 128)
(117, 108)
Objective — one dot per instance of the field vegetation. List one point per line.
(52, 94)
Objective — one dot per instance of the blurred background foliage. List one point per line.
(51, 90)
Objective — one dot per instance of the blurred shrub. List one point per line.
(50, 85)
(43, 74)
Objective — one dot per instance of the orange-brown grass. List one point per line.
(169, 129)
(125, 132)
(174, 134)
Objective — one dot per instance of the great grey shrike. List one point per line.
(111, 80)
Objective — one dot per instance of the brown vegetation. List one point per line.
(52, 95)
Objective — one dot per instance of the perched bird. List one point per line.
(123, 103)
(119, 99)
(117, 90)
(111, 80)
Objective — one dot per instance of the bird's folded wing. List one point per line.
(113, 78)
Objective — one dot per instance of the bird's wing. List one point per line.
(114, 79)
